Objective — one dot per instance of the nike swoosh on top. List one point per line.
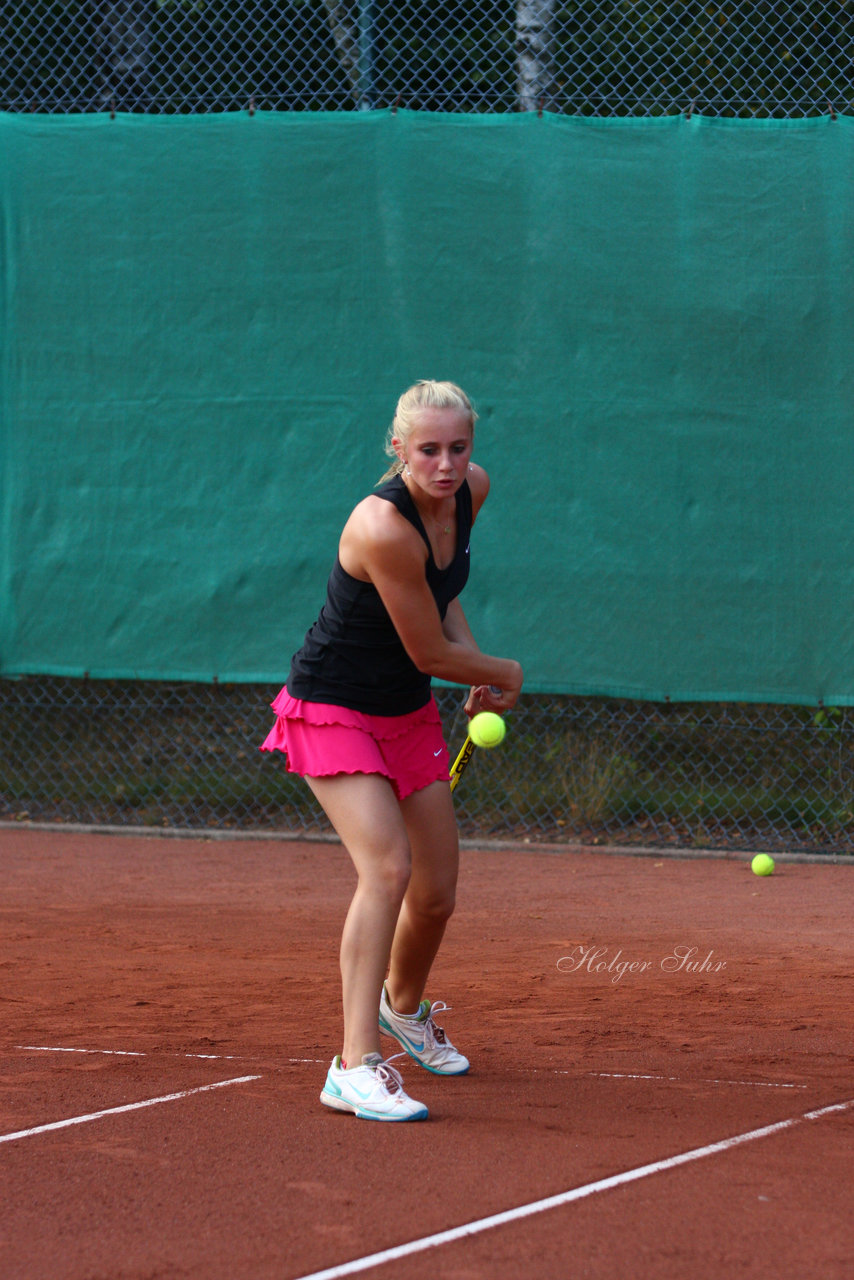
(406, 1040)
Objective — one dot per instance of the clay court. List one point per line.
(661, 1078)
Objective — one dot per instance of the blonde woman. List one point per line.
(358, 721)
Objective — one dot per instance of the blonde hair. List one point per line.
(425, 394)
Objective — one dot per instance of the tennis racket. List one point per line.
(466, 753)
(461, 761)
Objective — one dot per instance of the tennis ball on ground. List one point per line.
(762, 865)
(487, 729)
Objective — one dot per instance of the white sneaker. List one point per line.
(422, 1039)
(372, 1091)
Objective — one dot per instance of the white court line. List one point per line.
(139, 1053)
(116, 1111)
(566, 1197)
(626, 1075)
(126, 1053)
(233, 1057)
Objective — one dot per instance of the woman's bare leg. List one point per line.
(431, 826)
(365, 813)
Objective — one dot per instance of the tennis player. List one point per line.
(358, 721)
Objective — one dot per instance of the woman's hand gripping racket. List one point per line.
(467, 750)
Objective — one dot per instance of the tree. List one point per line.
(354, 44)
(534, 53)
(123, 35)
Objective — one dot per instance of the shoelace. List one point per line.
(434, 1035)
(390, 1076)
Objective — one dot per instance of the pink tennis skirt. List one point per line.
(321, 741)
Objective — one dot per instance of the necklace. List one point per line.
(440, 525)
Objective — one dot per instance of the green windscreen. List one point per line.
(206, 322)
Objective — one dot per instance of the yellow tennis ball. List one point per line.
(762, 865)
(487, 729)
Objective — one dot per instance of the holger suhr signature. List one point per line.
(590, 958)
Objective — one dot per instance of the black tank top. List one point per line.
(352, 656)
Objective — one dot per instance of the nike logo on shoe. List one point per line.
(354, 1088)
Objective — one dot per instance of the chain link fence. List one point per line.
(601, 58)
(579, 770)
(572, 769)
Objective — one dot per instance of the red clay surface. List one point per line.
(197, 962)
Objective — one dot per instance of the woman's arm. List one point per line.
(484, 697)
(382, 547)
(481, 697)
(456, 627)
